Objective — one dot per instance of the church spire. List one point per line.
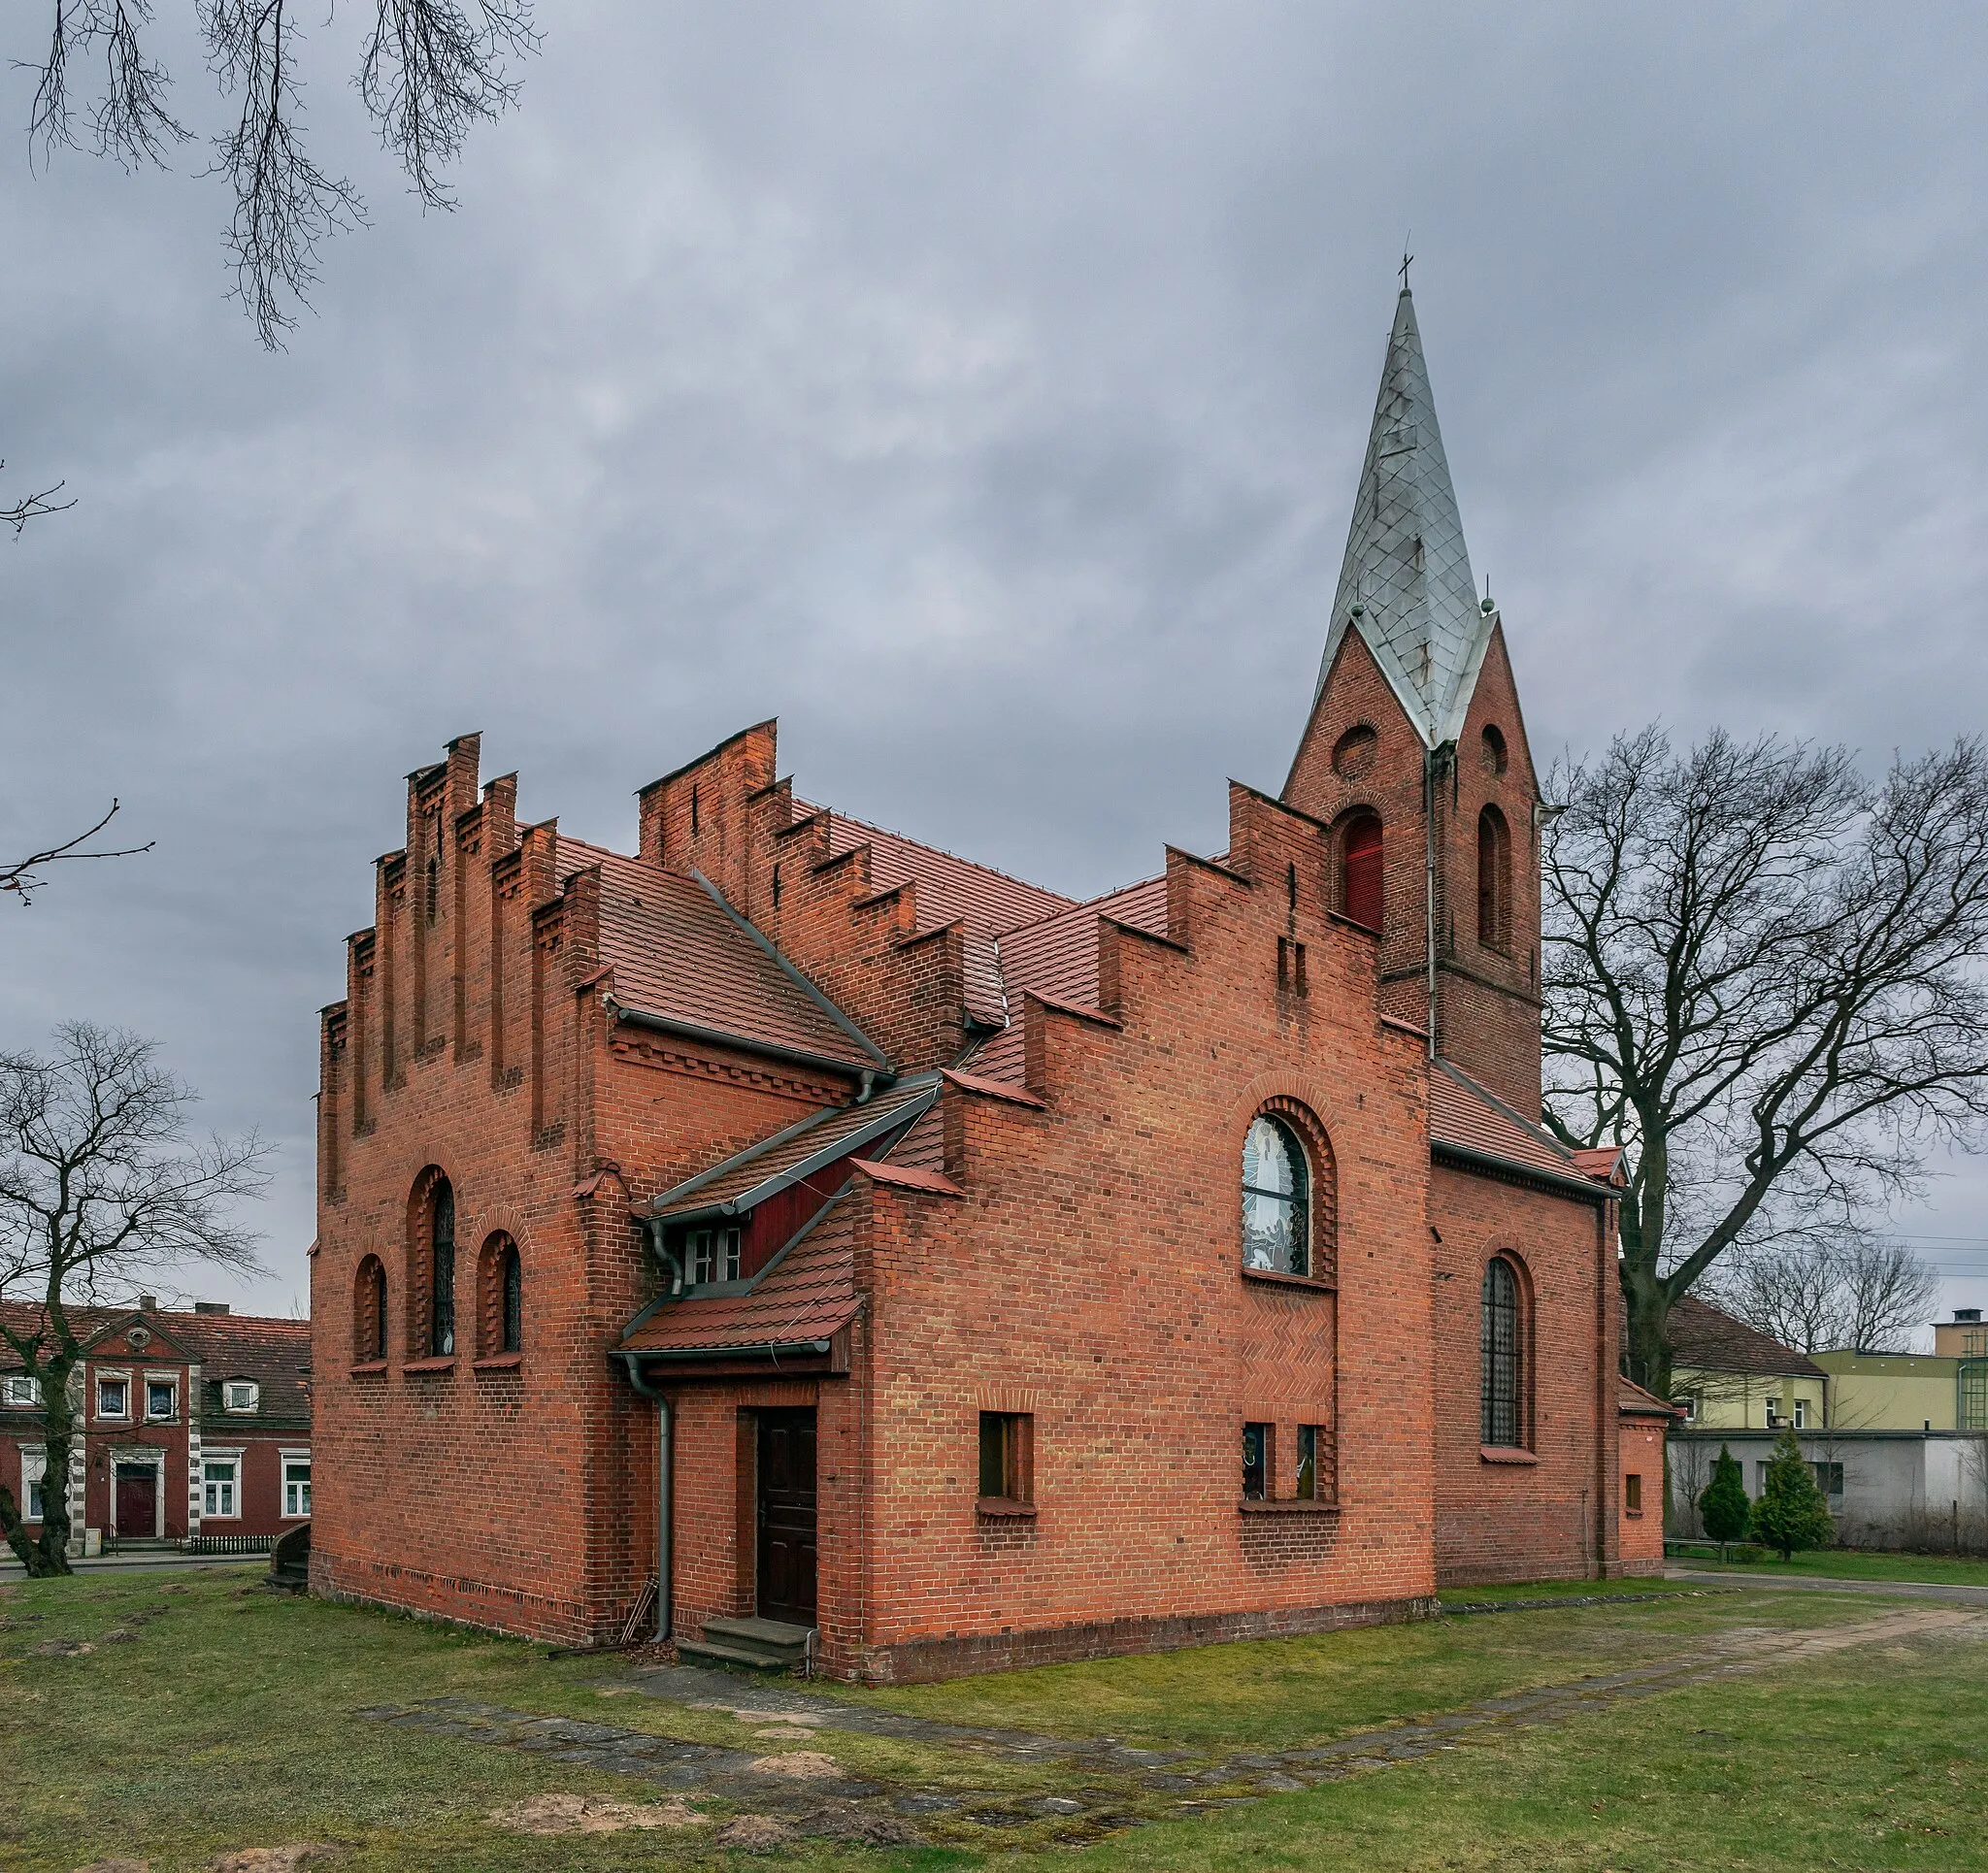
(1406, 585)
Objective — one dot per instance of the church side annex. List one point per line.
(899, 1263)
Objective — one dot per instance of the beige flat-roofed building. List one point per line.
(1893, 1392)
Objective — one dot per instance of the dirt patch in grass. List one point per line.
(756, 1834)
(561, 1814)
(803, 1765)
(289, 1857)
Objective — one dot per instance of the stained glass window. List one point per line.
(1276, 1199)
(1255, 1463)
(1499, 1350)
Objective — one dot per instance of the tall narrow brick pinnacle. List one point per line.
(1406, 570)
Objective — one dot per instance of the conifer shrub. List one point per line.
(1723, 1503)
(1792, 1512)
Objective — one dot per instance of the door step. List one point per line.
(749, 1644)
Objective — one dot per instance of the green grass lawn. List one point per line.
(1857, 1564)
(228, 1722)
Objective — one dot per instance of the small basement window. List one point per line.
(1256, 1449)
(242, 1395)
(1006, 1451)
(714, 1255)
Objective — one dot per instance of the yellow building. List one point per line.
(1892, 1391)
(1728, 1377)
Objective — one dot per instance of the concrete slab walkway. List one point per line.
(1894, 1590)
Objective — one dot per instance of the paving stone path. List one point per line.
(1125, 1777)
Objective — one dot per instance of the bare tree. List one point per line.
(428, 71)
(19, 875)
(1764, 976)
(101, 1186)
(1840, 1287)
(31, 507)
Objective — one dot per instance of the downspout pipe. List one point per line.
(1430, 757)
(665, 1477)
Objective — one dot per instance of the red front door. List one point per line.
(137, 1500)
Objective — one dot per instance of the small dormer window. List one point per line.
(713, 1255)
(242, 1395)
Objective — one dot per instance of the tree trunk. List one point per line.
(1645, 1346)
(48, 1556)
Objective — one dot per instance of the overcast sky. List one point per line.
(981, 391)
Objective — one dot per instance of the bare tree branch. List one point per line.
(1838, 1288)
(101, 1186)
(129, 118)
(19, 877)
(1766, 978)
(33, 507)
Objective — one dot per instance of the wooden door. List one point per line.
(786, 1516)
(137, 1500)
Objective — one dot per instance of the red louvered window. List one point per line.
(1360, 877)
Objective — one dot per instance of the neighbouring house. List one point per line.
(811, 1227)
(1904, 1391)
(1647, 1421)
(1729, 1376)
(188, 1425)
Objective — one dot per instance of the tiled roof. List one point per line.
(1057, 958)
(274, 1353)
(809, 1295)
(1462, 1113)
(1633, 1401)
(1708, 1340)
(678, 955)
(949, 888)
(785, 1157)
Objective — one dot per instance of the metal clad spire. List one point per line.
(1407, 567)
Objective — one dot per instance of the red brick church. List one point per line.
(886, 1257)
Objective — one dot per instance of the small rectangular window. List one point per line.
(242, 1395)
(34, 1467)
(1256, 1449)
(21, 1393)
(1774, 1413)
(296, 1486)
(1005, 1453)
(1829, 1478)
(1690, 1404)
(114, 1399)
(218, 1480)
(160, 1398)
(713, 1255)
(1800, 1414)
(1632, 1494)
(1307, 1462)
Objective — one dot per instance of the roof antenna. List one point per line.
(1485, 604)
(1407, 259)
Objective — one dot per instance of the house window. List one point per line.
(1005, 1453)
(369, 1311)
(34, 1469)
(161, 1398)
(1800, 1414)
(1774, 1413)
(220, 1478)
(1632, 1494)
(714, 1256)
(113, 1398)
(296, 1488)
(1361, 888)
(1257, 1440)
(442, 1312)
(22, 1394)
(1276, 1199)
(1501, 1357)
(1829, 1478)
(242, 1395)
(1690, 1403)
(1307, 1464)
(1494, 880)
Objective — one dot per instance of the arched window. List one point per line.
(1360, 872)
(369, 1311)
(500, 1298)
(1501, 1356)
(441, 1269)
(1276, 1199)
(1494, 880)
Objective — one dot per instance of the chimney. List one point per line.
(210, 1306)
(148, 1303)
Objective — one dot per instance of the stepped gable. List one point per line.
(677, 954)
(1057, 959)
(1463, 1114)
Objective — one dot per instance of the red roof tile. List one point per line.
(1709, 1340)
(809, 1295)
(1633, 1401)
(677, 954)
(906, 1177)
(1462, 1113)
(949, 888)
